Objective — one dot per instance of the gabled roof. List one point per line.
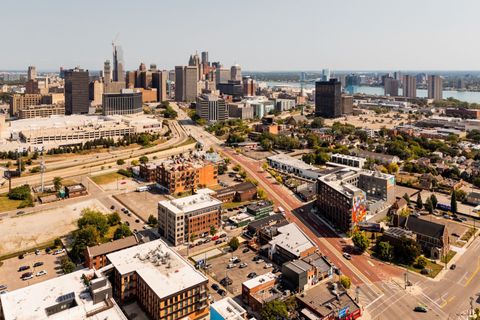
(422, 227)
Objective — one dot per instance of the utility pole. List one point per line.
(42, 171)
(406, 279)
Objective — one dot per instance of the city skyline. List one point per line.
(323, 35)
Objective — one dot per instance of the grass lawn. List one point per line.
(7, 204)
(107, 178)
(468, 234)
(434, 267)
(449, 256)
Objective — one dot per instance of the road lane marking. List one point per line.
(375, 300)
(473, 274)
(370, 263)
(447, 301)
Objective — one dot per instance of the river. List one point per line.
(468, 96)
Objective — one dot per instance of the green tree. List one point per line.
(453, 202)
(122, 231)
(143, 159)
(384, 250)
(407, 252)
(261, 194)
(237, 168)
(274, 310)
(243, 174)
(360, 240)
(95, 219)
(264, 166)
(234, 243)
(67, 265)
(317, 123)
(193, 236)
(421, 262)
(213, 230)
(345, 282)
(406, 197)
(57, 183)
(152, 221)
(429, 205)
(57, 242)
(113, 218)
(120, 162)
(85, 237)
(134, 162)
(419, 201)
(433, 199)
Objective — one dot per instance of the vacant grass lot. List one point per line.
(107, 178)
(7, 204)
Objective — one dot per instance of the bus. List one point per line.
(443, 206)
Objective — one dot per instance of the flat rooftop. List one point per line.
(293, 162)
(163, 269)
(292, 239)
(30, 302)
(258, 280)
(191, 203)
(229, 309)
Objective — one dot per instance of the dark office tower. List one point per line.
(390, 86)
(205, 58)
(159, 82)
(131, 79)
(107, 72)
(179, 83)
(328, 98)
(76, 91)
(409, 86)
(191, 83)
(153, 67)
(118, 64)
(236, 73)
(435, 88)
(142, 67)
(127, 102)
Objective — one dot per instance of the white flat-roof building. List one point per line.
(227, 309)
(289, 244)
(288, 164)
(65, 297)
(347, 160)
(179, 219)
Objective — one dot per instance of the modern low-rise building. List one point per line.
(304, 273)
(126, 102)
(342, 195)
(181, 219)
(186, 174)
(296, 167)
(347, 160)
(227, 309)
(256, 292)
(160, 281)
(260, 209)
(41, 111)
(75, 190)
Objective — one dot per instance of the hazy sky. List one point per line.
(257, 34)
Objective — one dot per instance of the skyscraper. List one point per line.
(249, 86)
(211, 108)
(159, 82)
(222, 75)
(32, 73)
(191, 83)
(76, 91)
(409, 86)
(390, 86)
(435, 87)
(205, 58)
(107, 72)
(328, 98)
(325, 75)
(118, 64)
(179, 83)
(236, 73)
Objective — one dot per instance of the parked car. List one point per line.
(23, 268)
(58, 251)
(223, 235)
(20, 212)
(231, 265)
(226, 281)
(260, 261)
(251, 275)
(137, 220)
(420, 309)
(243, 265)
(37, 264)
(3, 287)
(222, 292)
(237, 260)
(112, 207)
(233, 258)
(463, 219)
(446, 216)
(215, 286)
(41, 273)
(218, 241)
(21, 256)
(457, 219)
(267, 265)
(245, 250)
(455, 234)
(347, 256)
(37, 252)
(453, 267)
(27, 276)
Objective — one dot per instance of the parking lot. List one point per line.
(143, 204)
(11, 277)
(219, 270)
